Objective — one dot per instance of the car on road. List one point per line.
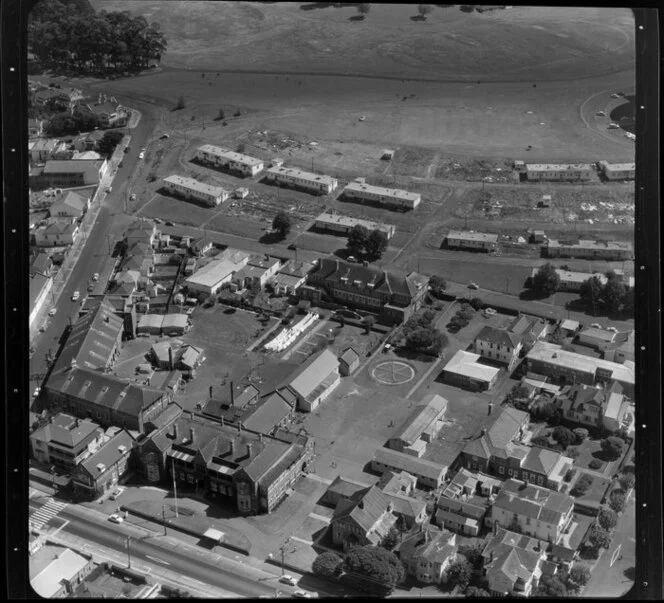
(600, 114)
(362, 118)
(489, 312)
(109, 189)
(165, 135)
(117, 493)
(287, 579)
(36, 392)
(95, 276)
(156, 220)
(169, 224)
(52, 311)
(352, 259)
(612, 329)
(473, 286)
(115, 518)
(141, 155)
(613, 126)
(76, 296)
(596, 325)
(132, 197)
(301, 594)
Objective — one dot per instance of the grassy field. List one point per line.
(560, 43)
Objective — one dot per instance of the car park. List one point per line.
(115, 518)
(286, 579)
(76, 296)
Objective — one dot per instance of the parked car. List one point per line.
(301, 594)
(52, 311)
(286, 579)
(141, 155)
(165, 135)
(95, 276)
(473, 286)
(115, 518)
(157, 221)
(596, 325)
(352, 259)
(76, 296)
(613, 126)
(292, 247)
(169, 223)
(132, 197)
(362, 118)
(36, 392)
(600, 114)
(489, 312)
(117, 493)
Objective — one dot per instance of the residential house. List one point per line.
(235, 162)
(513, 564)
(72, 205)
(532, 510)
(290, 277)
(594, 407)
(56, 572)
(421, 427)
(394, 296)
(348, 362)
(257, 271)
(296, 178)
(109, 113)
(427, 553)
(65, 441)
(342, 489)
(464, 515)
(471, 240)
(529, 329)
(430, 475)
(391, 198)
(67, 97)
(315, 380)
(188, 358)
(43, 150)
(365, 519)
(464, 370)
(399, 483)
(188, 188)
(589, 249)
(339, 224)
(56, 234)
(621, 349)
(41, 263)
(101, 471)
(69, 173)
(36, 127)
(201, 246)
(499, 345)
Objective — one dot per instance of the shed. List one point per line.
(214, 535)
(387, 154)
(348, 361)
(241, 193)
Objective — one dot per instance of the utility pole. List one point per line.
(127, 540)
(163, 518)
(175, 488)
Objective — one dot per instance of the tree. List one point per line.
(376, 244)
(327, 564)
(581, 434)
(391, 539)
(613, 294)
(591, 291)
(546, 279)
(627, 481)
(607, 518)
(425, 339)
(551, 586)
(109, 141)
(617, 500)
(368, 322)
(599, 537)
(571, 472)
(475, 592)
(375, 564)
(580, 574)
(438, 284)
(572, 452)
(473, 553)
(424, 10)
(612, 447)
(282, 224)
(357, 239)
(564, 436)
(628, 301)
(459, 573)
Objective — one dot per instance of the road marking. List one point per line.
(157, 560)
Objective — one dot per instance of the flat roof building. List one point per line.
(222, 157)
(459, 239)
(344, 224)
(193, 189)
(558, 171)
(389, 197)
(589, 249)
(317, 183)
(211, 277)
(617, 171)
(465, 370)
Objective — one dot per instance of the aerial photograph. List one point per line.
(331, 300)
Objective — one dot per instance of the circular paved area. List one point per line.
(393, 372)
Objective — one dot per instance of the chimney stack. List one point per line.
(490, 408)
(170, 358)
(211, 393)
(239, 427)
(232, 447)
(249, 447)
(232, 394)
(192, 433)
(175, 431)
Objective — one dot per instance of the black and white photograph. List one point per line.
(335, 300)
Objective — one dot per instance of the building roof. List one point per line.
(499, 337)
(195, 185)
(504, 537)
(307, 176)
(175, 320)
(617, 167)
(66, 564)
(67, 430)
(60, 228)
(45, 144)
(349, 356)
(345, 487)
(569, 325)
(348, 222)
(366, 507)
(295, 269)
(553, 354)
(230, 155)
(72, 200)
(420, 419)
(509, 566)
(466, 364)
(108, 454)
(311, 375)
(600, 335)
(480, 237)
(497, 441)
(219, 269)
(92, 340)
(41, 263)
(395, 193)
(591, 244)
(188, 355)
(542, 460)
(533, 501)
(556, 167)
(71, 166)
(471, 506)
(463, 482)
(410, 464)
(269, 414)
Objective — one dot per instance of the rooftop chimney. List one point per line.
(249, 447)
(222, 421)
(232, 447)
(361, 504)
(210, 392)
(490, 407)
(192, 433)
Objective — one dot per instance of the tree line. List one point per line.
(69, 34)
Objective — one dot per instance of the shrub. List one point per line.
(569, 475)
(617, 500)
(572, 452)
(563, 436)
(595, 464)
(612, 447)
(627, 481)
(607, 518)
(581, 434)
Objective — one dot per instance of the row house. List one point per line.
(556, 171)
(339, 224)
(532, 510)
(589, 249)
(188, 188)
(290, 277)
(307, 181)
(427, 553)
(102, 470)
(56, 234)
(235, 162)
(391, 198)
(65, 441)
(471, 240)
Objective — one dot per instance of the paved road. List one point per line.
(151, 549)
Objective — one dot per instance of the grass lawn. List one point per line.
(352, 336)
(177, 210)
(596, 490)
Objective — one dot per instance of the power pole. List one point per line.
(163, 518)
(175, 488)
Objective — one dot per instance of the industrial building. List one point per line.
(192, 189)
(236, 162)
(308, 181)
(388, 197)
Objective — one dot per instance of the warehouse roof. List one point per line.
(421, 418)
(313, 373)
(410, 464)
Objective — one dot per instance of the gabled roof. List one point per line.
(269, 414)
(420, 419)
(40, 263)
(313, 373)
(345, 487)
(541, 460)
(365, 508)
(509, 566)
(410, 464)
(533, 501)
(67, 430)
(500, 337)
(295, 269)
(349, 356)
(109, 454)
(498, 437)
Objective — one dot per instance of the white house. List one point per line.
(193, 189)
(617, 171)
(71, 205)
(499, 345)
(56, 234)
(558, 171)
(315, 183)
(389, 197)
(237, 162)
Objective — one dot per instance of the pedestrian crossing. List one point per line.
(46, 513)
